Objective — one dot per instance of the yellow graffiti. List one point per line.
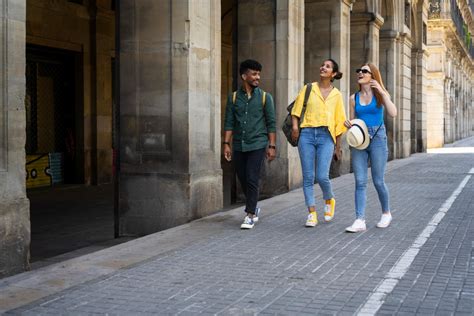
(37, 171)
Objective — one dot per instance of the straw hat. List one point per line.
(358, 135)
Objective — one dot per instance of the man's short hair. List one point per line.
(249, 64)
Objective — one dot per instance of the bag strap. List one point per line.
(264, 97)
(372, 137)
(309, 87)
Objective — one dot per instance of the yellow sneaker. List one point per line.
(312, 219)
(329, 209)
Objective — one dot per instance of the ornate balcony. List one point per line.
(435, 9)
(449, 10)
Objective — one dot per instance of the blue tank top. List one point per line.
(370, 113)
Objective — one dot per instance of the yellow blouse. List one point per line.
(320, 112)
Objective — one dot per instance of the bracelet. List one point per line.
(226, 143)
(272, 146)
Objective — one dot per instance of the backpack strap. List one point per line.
(309, 87)
(264, 97)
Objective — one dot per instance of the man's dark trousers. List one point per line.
(247, 166)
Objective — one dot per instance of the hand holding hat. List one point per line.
(358, 135)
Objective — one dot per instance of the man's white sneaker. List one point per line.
(248, 223)
(357, 226)
(385, 220)
(257, 213)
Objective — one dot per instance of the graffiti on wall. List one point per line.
(43, 170)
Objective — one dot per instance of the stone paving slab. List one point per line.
(441, 278)
(281, 267)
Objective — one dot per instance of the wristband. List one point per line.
(226, 143)
(272, 146)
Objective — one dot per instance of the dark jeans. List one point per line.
(247, 166)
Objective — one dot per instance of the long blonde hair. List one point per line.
(378, 77)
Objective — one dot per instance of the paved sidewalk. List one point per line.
(210, 266)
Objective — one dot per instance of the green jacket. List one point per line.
(250, 120)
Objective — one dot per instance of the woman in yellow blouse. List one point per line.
(321, 128)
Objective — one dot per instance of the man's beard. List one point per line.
(254, 84)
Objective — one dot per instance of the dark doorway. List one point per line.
(68, 218)
(52, 131)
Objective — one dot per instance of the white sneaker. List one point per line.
(257, 213)
(357, 226)
(384, 220)
(248, 223)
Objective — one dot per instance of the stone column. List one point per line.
(102, 104)
(404, 107)
(435, 116)
(418, 95)
(389, 58)
(327, 27)
(289, 79)
(272, 32)
(170, 113)
(14, 205)
(365, 34)
(395, 66)
(419, 76)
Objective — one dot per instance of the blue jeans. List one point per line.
(316, 144)
(377, 153)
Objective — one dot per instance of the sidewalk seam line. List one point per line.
(391, 279)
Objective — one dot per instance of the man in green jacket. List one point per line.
(250, 135)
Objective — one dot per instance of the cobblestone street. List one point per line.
(422, 264)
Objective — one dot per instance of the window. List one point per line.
(407, 13)
(424, 34)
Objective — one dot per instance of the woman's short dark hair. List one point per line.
(249, 64)
(335, 68)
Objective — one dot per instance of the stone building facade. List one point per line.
(171, 64)
(450, 71)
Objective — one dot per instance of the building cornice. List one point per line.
(367, 17)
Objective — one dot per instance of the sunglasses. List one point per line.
(364, 71)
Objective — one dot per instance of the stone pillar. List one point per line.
(404, 108)
(418, 95)
(327, 35)
(14, 205)
(103, 42)
(170, 113)
(272, 32)
(436, 92)
(395, 66)
(389, 58)
(419, 76)
(289, 79)
(365, 34)
(435, 116)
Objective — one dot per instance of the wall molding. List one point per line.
(4, 87)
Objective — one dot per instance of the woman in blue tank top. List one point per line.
(368, 104)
